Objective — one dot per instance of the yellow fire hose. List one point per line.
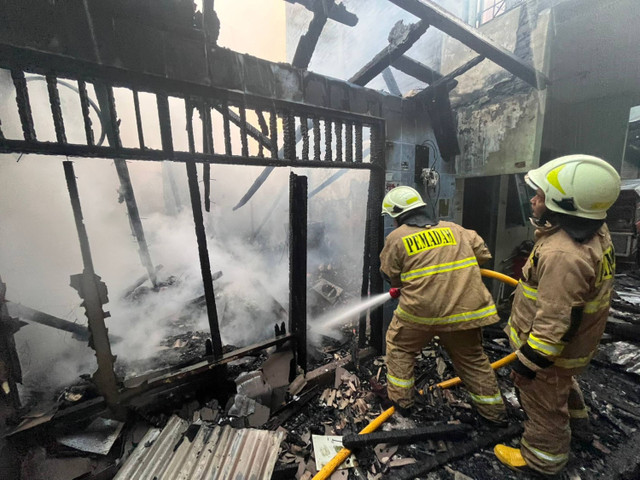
(344, 453)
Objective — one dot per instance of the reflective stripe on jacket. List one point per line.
(437, 268)
(561, 306)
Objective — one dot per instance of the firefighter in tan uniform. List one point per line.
(561, 305)
(436, 267)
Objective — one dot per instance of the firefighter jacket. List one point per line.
(437, 268)
(561, 305)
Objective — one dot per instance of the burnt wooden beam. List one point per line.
(201, 237)
(449, 79)
(107, 104)
(412, 435)
(88, 151)
(390, 80)
(339, 13)
(401, 38)
(93, 291)
(415, 69)
(456, 28)
(375, 237)
(24, 105)
(308, 41)
(78, 331)
(298, 265)
(457, 451)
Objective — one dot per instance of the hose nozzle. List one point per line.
(394, 292)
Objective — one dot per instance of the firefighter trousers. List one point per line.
(550, 400)
(405, 340)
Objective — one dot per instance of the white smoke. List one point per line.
(41, 248)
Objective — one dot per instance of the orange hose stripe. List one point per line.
(498, 276)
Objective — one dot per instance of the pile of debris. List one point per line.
(266, 419)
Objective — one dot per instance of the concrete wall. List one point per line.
(596, 127)
(595, 70)
(499, 116)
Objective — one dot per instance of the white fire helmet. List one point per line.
(400, 200)
(579, 185)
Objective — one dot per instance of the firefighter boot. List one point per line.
(511, 457)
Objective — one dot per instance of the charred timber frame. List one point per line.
(298, 265)
(339, 13)
(442, 20)
(401, 39)
(205, 98)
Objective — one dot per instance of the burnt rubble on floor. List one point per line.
(266, 420)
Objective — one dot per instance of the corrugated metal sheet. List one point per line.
(198, 452)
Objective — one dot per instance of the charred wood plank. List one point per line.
(136, 105)
(84, 105)
(79, 332)
(273, 133)
(338, 13)
(110, 124)
(207, 147)
(448, 79)
(56, 109)
(391, 83)
(348, 142)
(400, 437)
(24, 106)
(457, 451)
(88, 151)
(226, 127)
(128, 195)
(265, 142)
(376, 233)
(623, 330)
(285, 472)
(292, 408)
(308, 41)
(358, 143)
(110, 117)
(328, 154)
(243, 130)
(401, 39)
(316, 139)
(453, 26)
(201, 237)
(94, 293)
(304, 132)
(415, 69)
(338, 133)
(298, 265)
(289, 135)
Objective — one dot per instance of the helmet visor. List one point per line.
(532, 188)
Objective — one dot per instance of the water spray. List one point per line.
(333, 318)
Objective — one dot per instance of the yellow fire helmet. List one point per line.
(579, 185)
(400, 200)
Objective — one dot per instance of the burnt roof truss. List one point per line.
(322, 11)
(442, 20)
(401, 38)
